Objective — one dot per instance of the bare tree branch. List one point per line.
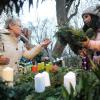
(76, 9)
(68, 5)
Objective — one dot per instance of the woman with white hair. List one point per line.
(13, 48)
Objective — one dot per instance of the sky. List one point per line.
(45, 10)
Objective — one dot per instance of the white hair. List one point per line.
(11, 20)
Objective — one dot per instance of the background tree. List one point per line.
(63, 8)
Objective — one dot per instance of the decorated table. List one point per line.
(50, 82)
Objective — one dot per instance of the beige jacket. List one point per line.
(14, 49)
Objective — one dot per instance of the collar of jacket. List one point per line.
(4, 31)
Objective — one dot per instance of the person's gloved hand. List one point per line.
(85, 43)
(83, 52)
(4, 60)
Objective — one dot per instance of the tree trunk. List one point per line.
(61, 19)
(57, 51)
(61, 12)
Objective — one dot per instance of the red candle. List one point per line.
(34, 68)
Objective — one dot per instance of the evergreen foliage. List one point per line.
(73, 37)
(87, 88)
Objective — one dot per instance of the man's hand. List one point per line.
(4, 60)
(45, 43)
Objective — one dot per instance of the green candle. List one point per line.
(48, 66)
(42, 65)
(39, 67)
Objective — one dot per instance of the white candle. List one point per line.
(8, 74)
(39, 83)
(46, 78)
(70, 78)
